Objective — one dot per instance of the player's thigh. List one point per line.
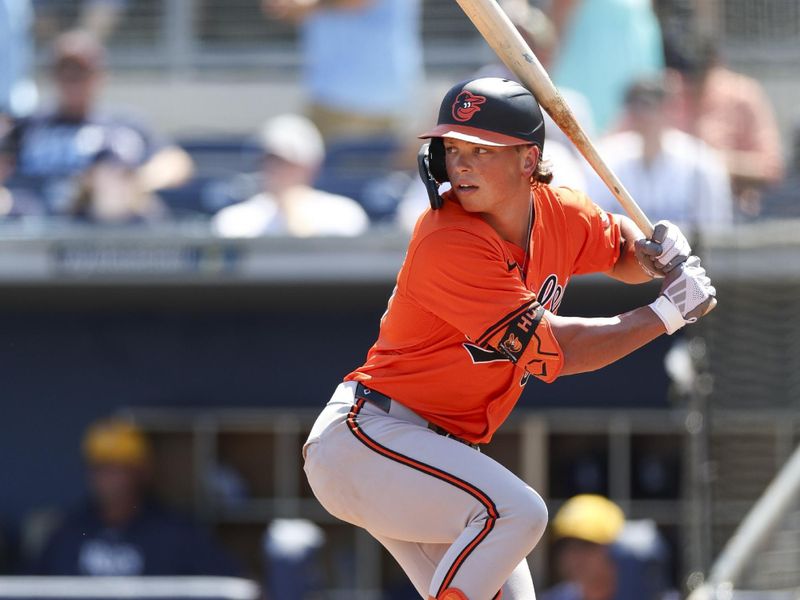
(406, 482)
(419, 562)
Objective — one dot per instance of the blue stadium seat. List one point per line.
(219, 162)
(363, 169)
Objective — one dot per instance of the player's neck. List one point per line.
(512, 222)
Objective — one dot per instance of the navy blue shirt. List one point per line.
(155, 542)
(49, 149)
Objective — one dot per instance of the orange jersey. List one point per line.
(462, 308)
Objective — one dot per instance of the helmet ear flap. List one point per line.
(437, 164)
(432, 169)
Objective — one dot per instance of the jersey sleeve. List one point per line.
(465, 280)
(594, 234)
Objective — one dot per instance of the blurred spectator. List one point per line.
(600, 556)
(783, 200)
(18, 94)
(363, 62)
(98, 17)
(730, 112)
(670, 174)
(291, 551)
(120, 530)
(606, 45)
(288, 204)
(540, 34)
(86, 163)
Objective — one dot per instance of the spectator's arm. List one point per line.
(168, 167)
(297, 10)
(762, 162)
(561, 12)
(100, 17)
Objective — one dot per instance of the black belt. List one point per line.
(384, 402)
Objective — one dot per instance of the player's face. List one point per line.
(485, 178)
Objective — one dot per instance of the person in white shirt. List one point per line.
(670, 174)
(288, 203)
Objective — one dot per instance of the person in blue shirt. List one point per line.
(362, 62)
(607, 44)
(120, 530)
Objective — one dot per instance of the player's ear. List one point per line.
(530, 156)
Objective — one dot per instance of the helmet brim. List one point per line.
(473, 135)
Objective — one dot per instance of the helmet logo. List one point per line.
(466, 105)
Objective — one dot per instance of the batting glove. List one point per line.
(666, 249)
(686, 295)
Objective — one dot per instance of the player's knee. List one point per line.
(531, 515)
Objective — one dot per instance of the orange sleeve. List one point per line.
(464, 279)
(594, 234)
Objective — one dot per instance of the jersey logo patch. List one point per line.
(513, 344)
(466, 105)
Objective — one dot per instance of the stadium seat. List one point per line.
(363, 169)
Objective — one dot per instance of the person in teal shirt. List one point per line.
(607, 44)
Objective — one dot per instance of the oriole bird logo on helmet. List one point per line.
(466, 105)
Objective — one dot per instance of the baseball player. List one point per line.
(473, 316)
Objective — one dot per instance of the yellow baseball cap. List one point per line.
(116, 442)
(589, 517)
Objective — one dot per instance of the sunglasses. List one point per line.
(72, 71)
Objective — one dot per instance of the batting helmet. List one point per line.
(488, 111)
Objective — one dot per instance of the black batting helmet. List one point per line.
(489, 111)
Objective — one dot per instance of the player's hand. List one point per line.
(662, 252)
(686, 295)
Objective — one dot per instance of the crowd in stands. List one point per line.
(693, 140)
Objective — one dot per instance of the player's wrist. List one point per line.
(669, 314)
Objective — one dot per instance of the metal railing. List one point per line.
(778, 501)
(210, 588)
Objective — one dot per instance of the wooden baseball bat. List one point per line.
(500, 33)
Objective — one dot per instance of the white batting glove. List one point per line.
(666, 249)
(686, 295)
